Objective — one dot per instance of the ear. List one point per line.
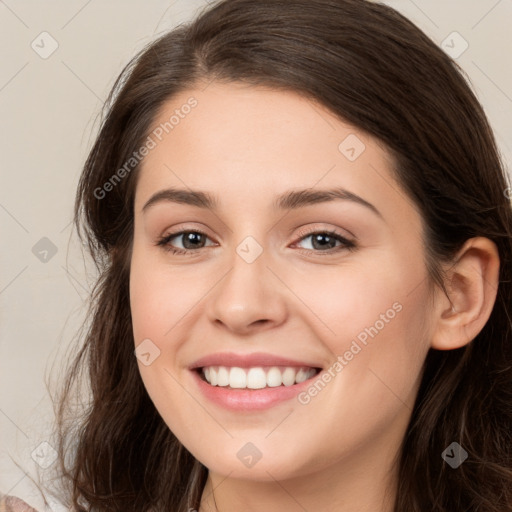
(472, 284)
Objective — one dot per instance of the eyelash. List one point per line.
(346, 244)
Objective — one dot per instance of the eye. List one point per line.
(191, 241)
(325, 241)
(322, 242)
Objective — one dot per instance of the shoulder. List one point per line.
(13, 504)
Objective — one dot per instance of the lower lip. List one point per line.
(250, 399)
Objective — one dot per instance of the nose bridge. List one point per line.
(249, 293)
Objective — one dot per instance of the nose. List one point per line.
(249, 298)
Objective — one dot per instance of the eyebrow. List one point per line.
(290, 200)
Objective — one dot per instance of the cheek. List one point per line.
(164, 301)
(160, 296)
(155, 305)
(378, 336)
(374, 316)
(159, 301)
(346, 300)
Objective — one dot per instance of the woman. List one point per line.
(340, 337)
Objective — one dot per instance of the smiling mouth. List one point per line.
(258, 377)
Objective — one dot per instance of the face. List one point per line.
(305, 309)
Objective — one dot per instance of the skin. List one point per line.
(246, 145)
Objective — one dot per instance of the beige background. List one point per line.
(48, 112)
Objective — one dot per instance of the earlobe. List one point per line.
(472, 285)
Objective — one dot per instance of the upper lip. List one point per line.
(248, 361)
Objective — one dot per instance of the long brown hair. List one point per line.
(376, 70)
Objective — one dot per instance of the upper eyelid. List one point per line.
(312, 228)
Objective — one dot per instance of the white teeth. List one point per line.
(257, 377)
(301, 376)
(237, 378)
(274, 378)
(223, 377)
(213, 377)
(289, 376)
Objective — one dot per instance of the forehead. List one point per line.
(251, 143)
